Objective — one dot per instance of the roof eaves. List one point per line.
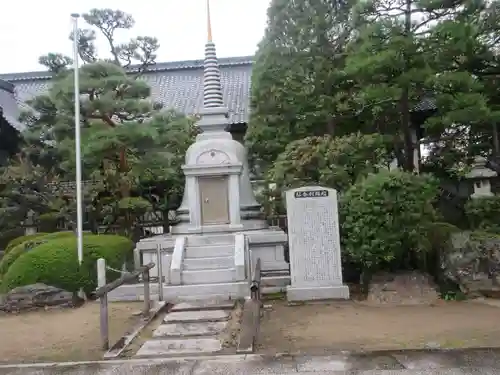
(7, 86)
(159, 67)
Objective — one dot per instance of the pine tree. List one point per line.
(408, 51)
(295, 75)
(128, 143)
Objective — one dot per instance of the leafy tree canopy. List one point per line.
(296, 74)
(336, 162)
(335, 68)
(129, 144)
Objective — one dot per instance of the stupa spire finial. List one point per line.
(212, 90)
(209, 23)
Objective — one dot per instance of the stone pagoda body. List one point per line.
(221, 232)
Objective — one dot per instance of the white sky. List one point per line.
(31, 28)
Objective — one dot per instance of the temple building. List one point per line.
(10, 126)
(178, 85)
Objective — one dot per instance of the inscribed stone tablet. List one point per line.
(313, 231)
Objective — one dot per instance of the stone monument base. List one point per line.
(311, 293)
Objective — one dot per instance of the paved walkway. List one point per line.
(477, 362)
(189, 329)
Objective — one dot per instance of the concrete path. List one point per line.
(189, 329)
(477, 362)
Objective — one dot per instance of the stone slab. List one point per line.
(179, 347)
(422, 360)
(314, 240)
(197, 316)
(189, 329)
(257, 366)
(321, 293)
(347, 362)
(203, 305)
(212, 364)
(438, 359)
(181, 367)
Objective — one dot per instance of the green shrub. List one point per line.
(19, 240)
(484, 213)
(10, 257)
(8, 235)
(386, 216)
(336, 162)
(55, 263)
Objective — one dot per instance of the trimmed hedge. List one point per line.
(55, 263)
(15, 252)
(19, 240)
(385, 219)
(8, 235)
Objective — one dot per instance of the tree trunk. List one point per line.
(496, 142)
(125, 188)
(330, 126)
(409, 147)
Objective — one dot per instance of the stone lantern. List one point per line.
(481, 176)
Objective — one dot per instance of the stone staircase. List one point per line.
(209, 263)
(200, 267)
(190, 329)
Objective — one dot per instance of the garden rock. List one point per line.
(402, 288)
(35, 296)
(473, 263)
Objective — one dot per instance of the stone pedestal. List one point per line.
(313, 230)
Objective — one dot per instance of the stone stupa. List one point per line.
(221, 231)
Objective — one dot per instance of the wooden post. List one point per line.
(147, 299)
(101, 281)
(159, 266)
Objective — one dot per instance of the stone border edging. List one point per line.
(417, 359)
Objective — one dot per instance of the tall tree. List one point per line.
(411, 50)
(296, 74)
(128, 143)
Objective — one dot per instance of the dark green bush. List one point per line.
(19, 240)
(8, 235)
(484, 213)
(10, 257)
(48, 222)
(385, 217)
(55, 263)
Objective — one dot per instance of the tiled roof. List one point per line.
(9, 108)
(426, 104)
(178, 85)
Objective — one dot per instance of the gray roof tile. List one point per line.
(9, 105)
(426, 104)
(178, 85)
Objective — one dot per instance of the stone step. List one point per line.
(217, 304)
(211, 239)
(173, 347)
(224, 250)
(175, 293)
(208, 263)
(203, 316)
(179, 330)
(208, 276)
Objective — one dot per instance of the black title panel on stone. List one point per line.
(311, 194)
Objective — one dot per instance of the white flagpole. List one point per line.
(79, 200)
